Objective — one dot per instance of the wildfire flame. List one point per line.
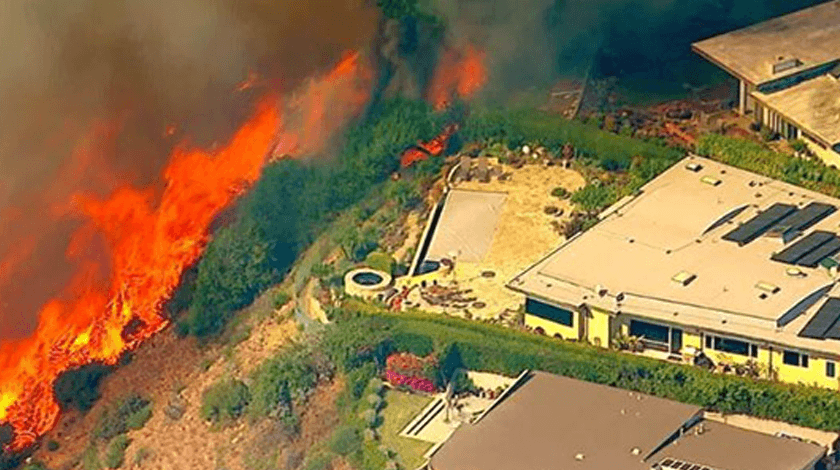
(150, 240)
(432, 148)
(460, 72)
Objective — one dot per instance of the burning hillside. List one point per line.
(113, 304)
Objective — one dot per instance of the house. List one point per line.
(553, 422)
(706, 260)
(787, 69)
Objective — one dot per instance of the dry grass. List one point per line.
(523, 235)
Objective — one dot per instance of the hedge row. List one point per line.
(612, 151)
(751, 156)
(505, 351)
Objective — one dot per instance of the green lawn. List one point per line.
(401, 408)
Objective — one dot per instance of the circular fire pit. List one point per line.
(366, 282)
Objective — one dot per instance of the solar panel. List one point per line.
(813, 258)
(825, 318)
(833, 331)
(793, 253)
(806, 217)
(755, 227)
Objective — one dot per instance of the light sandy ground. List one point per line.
(523, 235)
(164, 364)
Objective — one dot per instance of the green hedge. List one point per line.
(752, 156)
(506, 351)
(612, 152)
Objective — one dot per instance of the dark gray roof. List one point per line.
(547, 422)
(553, 422)
(724, 447)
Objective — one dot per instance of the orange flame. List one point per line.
(432, 148)
(150, 241)
(459, 72)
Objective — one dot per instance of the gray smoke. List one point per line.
(139, 66)
(531, 43)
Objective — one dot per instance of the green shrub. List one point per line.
(288, 377)
(79, 388)
(225, 400)
(560, 192)
(90, 458)
(319, 461)
(381, 261)
(594, 197)
(768, 134)
(129, 412)
(139, 418)
(115, 454)
(360, 378)
(751, 156)
(798, 146)
(375, 401)
(322, 270)
(346, 440)
(281, 299)
(52, 445)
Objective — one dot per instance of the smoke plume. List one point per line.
(531, 43)
(95, 93)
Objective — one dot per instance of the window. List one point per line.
(549, 312)
(793, 358)
(829, 369)
(731, 346)
(657, 336)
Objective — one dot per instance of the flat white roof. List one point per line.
(811, 35)
(669, 228)
(813, 105)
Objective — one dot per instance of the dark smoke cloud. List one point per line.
(531, 43)
(137, 66)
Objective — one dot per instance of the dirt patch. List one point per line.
(166, 364)
(523, 234)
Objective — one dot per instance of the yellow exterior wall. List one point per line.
(440, 274)
(692, 340)
(599, 328)
(814, 374)
(829, 157)
(551, 328)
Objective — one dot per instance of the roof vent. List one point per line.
(695, 167)
(710, 180)
(795, 272)
(578, 457)
(635, 451)
(783, 64)
(767, 287)
(683, 278)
